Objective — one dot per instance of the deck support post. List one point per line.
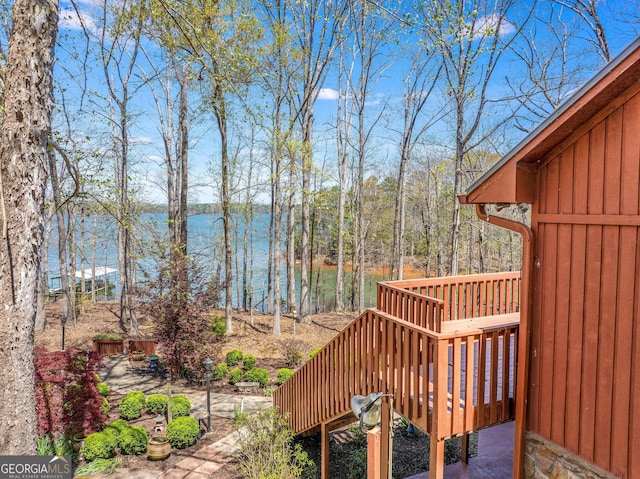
(465, 448)
(385, 441)
(374, 450)
(324, 450)
(436, 458)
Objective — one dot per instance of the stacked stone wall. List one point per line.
(544, 459)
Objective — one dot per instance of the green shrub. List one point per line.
(248, 362)
(267, 449)
(183, 432)
(44, 445)
(268, 391)
(234, 357)
(240, 417)
(133, 440)
(103, 389)
(60, 446)
(104, 407)
(258, 375)
(116, 426)
(138, 395)
(99, 445)
(235, 375)
(110, 336)
(218, 326)
(97, 466)
(283, 374)
(219, 371)
(180, 406)
(292, 352)
(131, 406)
(157, 404)
(314, 352)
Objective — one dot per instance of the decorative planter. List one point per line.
(158, 448)
(77, 441)
(138, 356)
(247, 387)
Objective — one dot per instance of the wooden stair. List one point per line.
(448, 360)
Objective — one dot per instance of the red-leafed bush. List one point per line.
(179, 299)
(67, 397)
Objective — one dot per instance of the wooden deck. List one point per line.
(416, 347)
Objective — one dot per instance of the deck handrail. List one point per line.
(428, 302)
(436, 385)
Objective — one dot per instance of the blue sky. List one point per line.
(88, 126)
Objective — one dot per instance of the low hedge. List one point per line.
(283, 374)
(258, 375)
(234, 356)
(219, 371)
(180, 406)
(157, 403)
(103, 389)
(248, 362)
(133, 440)
(99, 445)
(235, 375)
(183, 432)
(132, 405)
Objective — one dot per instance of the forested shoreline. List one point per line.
(352, 125)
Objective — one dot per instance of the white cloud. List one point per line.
(489, 23)
(71, 20)
(141, 140)
(328, 94)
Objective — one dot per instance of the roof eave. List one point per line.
(512, 179)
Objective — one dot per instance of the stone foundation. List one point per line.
(543, 459)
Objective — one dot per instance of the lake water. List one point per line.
(205, 245)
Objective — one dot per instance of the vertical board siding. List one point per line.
(585, 370)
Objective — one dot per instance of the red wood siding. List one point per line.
(585, 355)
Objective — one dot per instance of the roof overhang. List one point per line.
(512, 179)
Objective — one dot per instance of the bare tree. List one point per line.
(471, 36)
(318, 28)
(24, 134)
(587, 10)
(119, 48)
(418, 84)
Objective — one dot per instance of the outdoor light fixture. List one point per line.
(63, 321)
(367, 409)
(208, 363)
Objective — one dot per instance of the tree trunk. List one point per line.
(26, 126)
(291, 239)
(62, 237)
(307, 127)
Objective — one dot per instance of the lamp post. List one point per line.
(63, 321)
(208, 363)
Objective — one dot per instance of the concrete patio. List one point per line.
(494, 459)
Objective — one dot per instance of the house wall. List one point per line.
(584, 391)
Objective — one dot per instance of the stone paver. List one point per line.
(174, 474)
(208, 459)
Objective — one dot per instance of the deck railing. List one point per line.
(447, 377)
(430, 302)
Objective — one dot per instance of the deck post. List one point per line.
(436, 458)
(324, 450)
(374, 450)
(465, 448)
(385, 441)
